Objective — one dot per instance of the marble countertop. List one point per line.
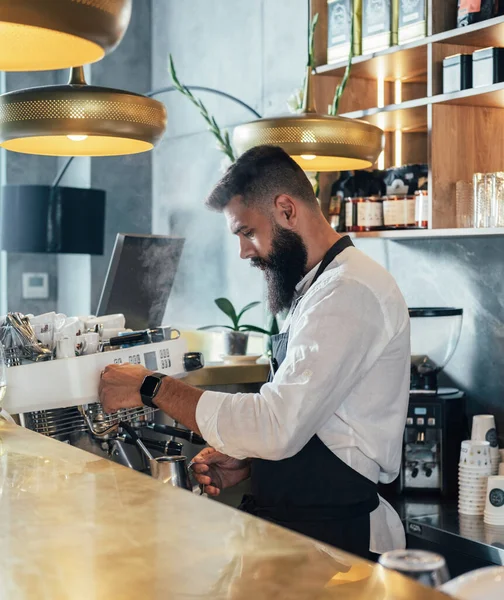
(74, 526)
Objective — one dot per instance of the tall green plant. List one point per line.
(222, 136)
(333, 110)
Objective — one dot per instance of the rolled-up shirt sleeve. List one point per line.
(337, 333)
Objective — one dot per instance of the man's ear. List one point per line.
(286, 212)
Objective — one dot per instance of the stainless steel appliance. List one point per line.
(58, 398)
(436, 422)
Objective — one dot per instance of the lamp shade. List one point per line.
(77, 119)
(37, 35)
(40, 218)
(316, 142)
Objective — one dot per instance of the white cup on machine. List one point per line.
(65, 346)
(90, 343)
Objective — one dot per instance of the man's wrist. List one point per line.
(150, 388)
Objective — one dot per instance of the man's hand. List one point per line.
(217, 471)
(120, 386)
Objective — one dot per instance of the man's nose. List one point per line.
(246, 248)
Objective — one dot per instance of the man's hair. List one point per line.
(259, 176)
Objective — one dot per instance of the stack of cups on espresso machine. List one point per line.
(474, 470)
(484, 430)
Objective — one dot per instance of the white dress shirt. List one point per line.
(345, 378)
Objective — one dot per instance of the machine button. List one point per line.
(431, 422)
(409, 421)
(420, 421)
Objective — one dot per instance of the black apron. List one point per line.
(314, 492)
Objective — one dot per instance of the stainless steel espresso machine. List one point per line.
(57, 395)
(436, 422)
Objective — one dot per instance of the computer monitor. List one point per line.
(140, 278)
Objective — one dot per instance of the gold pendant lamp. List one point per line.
(38, 35)
(77, 119)
(316, 142)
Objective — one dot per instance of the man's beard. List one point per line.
(284, 267)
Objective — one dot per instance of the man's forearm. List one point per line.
(179, 401)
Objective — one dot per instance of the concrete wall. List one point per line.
(247, 49)
(256, 51)
(76, 281)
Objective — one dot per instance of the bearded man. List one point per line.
(328, 426)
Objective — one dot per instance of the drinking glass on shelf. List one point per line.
(464, 204)
(482, 184)
(497, 199)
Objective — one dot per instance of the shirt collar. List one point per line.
(304, 284)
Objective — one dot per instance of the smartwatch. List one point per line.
(149, 389)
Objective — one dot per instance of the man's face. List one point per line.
(277, 250)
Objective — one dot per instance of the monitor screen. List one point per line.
(140, 278)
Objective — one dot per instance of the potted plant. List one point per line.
(236, 338)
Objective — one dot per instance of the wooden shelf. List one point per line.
(407, 62)
(411, 116)
(408, 116)
(491, 96)
(412, 234)
(480, 35)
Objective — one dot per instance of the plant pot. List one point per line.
(235, 343)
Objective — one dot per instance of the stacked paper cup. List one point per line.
(474, 469)
(483, 429)
(494, 506)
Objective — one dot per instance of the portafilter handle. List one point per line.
(193, 361)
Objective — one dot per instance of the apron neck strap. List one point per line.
(342, 244)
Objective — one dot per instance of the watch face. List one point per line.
(149, 386)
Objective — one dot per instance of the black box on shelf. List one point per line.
(341, 15)
(412, 20)
(457, 73)
(488, 66)
(380, 19)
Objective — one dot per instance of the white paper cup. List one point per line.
(494, 506)
(483, 429)
(463, 510)
(475, 455)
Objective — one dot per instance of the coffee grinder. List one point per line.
(436, 422)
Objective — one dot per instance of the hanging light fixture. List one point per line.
(77, 119)
(38, 35)
(315, 141)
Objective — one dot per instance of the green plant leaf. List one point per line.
(244, 310)
(228, 309)
(274, 329)
(254, 329)
(214, 326)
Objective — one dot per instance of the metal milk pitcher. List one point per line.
(172, 470)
